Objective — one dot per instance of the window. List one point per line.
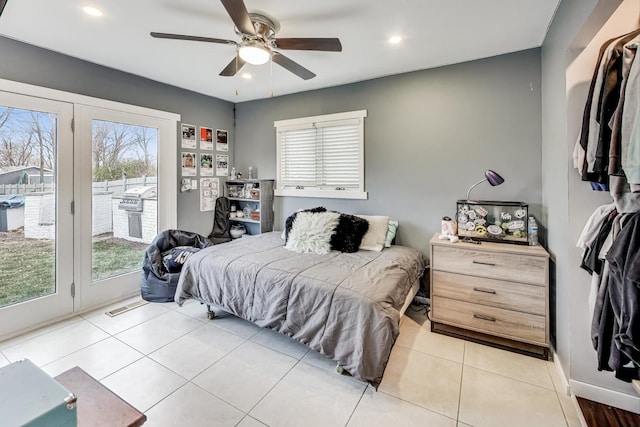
(321, 156)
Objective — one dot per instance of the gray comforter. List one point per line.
(345, 306)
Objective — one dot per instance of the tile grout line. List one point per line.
(356, 405)
(464, 353)
(274, 386)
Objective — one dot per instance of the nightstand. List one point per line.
(492, 293)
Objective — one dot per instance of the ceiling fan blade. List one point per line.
(233, 67)
(327, 44)
(239, 15)
(3, 3)
(191, 38)
(292, 66)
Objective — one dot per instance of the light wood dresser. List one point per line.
(493, 293)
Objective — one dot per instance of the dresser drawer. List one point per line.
(496, 293)
(493, 265)
(490, 320)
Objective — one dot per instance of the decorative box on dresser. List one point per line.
(493, 293)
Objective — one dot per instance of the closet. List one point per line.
(601, 349)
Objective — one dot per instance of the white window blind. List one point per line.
(322, 156)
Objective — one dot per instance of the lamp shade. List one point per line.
(494, 178)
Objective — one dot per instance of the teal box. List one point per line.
(30, 397)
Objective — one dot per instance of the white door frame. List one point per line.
(92, 293)
(25, 314)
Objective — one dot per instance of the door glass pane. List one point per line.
(28, 144)
(124, 196)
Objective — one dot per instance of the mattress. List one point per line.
(346, 306)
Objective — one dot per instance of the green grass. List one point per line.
(27, 266)
(116, 256)
(26, 271)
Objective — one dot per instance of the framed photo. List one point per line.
(189, 166)
(188, 136)
(222, 140)
(206, 164)
(222, 164)
(206, 138)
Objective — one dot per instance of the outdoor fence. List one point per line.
(115, 187)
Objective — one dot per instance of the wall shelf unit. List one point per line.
(254, 196)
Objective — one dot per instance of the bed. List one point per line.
(346, 306)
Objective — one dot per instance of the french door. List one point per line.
(85, 185)
(124, 199)
(36, 221)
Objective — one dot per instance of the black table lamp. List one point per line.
(492, 177)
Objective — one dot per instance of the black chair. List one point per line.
(221, 232)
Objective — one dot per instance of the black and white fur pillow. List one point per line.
(289, 222)
(312, 231)
(349, 233)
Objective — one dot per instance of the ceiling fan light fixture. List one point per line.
(92, 11)
(254, 53)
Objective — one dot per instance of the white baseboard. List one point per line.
(628, 402)
(605, 396)
(561, 375)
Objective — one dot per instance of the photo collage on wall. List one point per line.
(199, 147)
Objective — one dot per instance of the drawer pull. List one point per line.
(484, 263)
(486, 291)
(481, 317)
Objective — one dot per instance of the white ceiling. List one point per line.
(435, 33)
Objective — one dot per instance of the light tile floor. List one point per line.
(182, 369)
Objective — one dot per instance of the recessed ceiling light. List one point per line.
(246, 76)
(395, 39)
(92, 11)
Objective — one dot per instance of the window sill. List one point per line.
(322, 194)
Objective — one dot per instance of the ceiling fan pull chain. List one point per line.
(271, 76)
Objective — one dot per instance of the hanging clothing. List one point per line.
(630, 123)
(585, 241)
(617, 145)
(592, 150)
(608, 154)
(624, 292)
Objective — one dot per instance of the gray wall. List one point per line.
(429, 135)
(33, 65)
(568, 201)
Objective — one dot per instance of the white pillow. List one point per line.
(311, 232)
(377, 233)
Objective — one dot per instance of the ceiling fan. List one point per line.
(259, 42)
(3, 3)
